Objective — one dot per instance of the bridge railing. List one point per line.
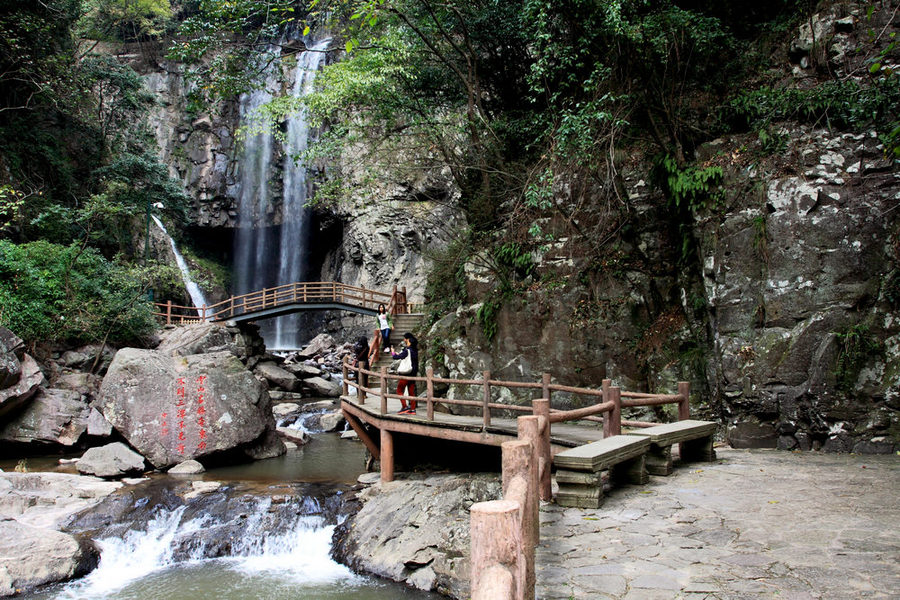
(606, 407)
(307, 292)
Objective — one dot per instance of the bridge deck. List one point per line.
(461, 428)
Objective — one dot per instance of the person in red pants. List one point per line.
(409, 366)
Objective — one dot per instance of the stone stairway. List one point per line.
(402, 324)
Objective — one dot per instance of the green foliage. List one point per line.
(53, 293)
(690, 187)
(487, 316)
(514, 257)
(857, 348)
(125, 20)
(445, 287)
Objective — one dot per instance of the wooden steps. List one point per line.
(402, 324)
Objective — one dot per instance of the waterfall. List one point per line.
(267, 256)
(193, 289)
(297, 550)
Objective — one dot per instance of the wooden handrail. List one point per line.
(290, 293)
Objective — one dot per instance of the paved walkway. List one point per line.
(756, 524)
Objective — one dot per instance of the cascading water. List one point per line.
(193, 289)
(268, 256)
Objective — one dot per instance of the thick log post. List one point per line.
(684, 405)
(607, 383)
(486, 399)
(530, 431)
(541, 408)
(383, 390)
(345, 371)
(615, 417)
(496, 542)
(387, 455)
(517, 470)
(429, 392)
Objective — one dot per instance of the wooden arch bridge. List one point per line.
(286, 299)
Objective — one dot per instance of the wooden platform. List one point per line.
(461, 428)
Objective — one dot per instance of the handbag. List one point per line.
(406, 366)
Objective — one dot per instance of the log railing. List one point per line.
(606, 408)
(308, 292)
(504, 533)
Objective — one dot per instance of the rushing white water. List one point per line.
(267, 256)
(298, 553)
(193, 289)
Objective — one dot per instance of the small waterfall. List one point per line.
(296, 551)
(265, 255)
(193, 289)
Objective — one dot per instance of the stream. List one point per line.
(265, 533)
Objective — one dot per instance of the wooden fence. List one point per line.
(606, 408)
(308, 292)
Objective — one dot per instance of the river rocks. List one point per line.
(112, 460)
(188, 467)
(53, 416)
(287, 411)
(278, 376)
(33, 556)
(331, 421)
(30, 378)
(321, 387)
(302, 370)
(320, 344)
(196, 338)
(174, 408)
(297, 436)
(50, 499)
(416, 531)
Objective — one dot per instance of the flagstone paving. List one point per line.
(755, 524)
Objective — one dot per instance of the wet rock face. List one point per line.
(789, 275)
(416, 531)
(175, 408)
(53, 416)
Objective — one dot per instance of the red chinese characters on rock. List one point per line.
(184, 411)
(201, 412)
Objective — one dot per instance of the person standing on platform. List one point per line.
(385, 325)
(409, 367)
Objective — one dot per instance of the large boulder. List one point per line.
(30, 379)
(320, 344)
(323, 388)
(277, 376)
(52, 417)
(111, 460)
(9, 361)
(302, 370)
(197, 338)
(33, 556)
(175, 408)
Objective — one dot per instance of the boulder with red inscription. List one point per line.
(173, 408)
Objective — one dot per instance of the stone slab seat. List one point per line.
(694, 439)
(578, 469)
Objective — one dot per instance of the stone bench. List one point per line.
(694, 439)
(578, 470)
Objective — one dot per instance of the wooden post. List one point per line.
(517, 486)
(607, 383)
(615, 418)
(203, 318)
(684, 405)
(545, 386)
(541, 408)
(429, 392)
(495, 541)
(387, 455)
(384, 390)
(345, 371)
(486, 399)
(405, 307)
(169, 312)
(360, 380)
(529, 432)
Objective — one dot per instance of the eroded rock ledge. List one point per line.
(415, 530)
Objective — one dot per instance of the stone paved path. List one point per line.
(756, 524)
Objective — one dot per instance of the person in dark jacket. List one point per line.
(410, 348)
(361, 360)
